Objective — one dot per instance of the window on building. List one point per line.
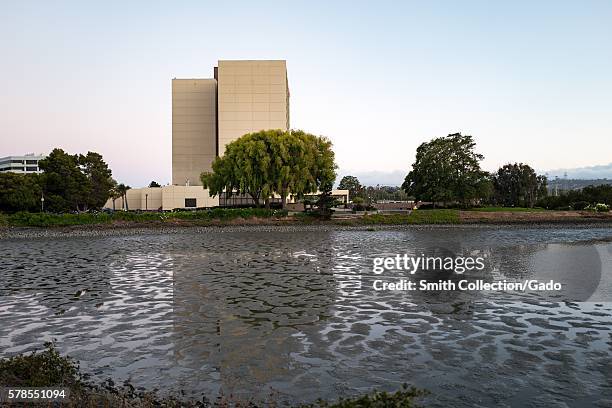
(31, 161)
(32, 168)
(190, 203)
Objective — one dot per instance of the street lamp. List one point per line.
(42, 203)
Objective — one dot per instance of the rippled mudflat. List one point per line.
(294, 313)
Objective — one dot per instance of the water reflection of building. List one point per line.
(238, 309)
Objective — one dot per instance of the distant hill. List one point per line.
(372, 178)
(574, 184)
(600, 172)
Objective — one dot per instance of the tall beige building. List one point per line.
(194, 129)
(207, 114)
(253, 95)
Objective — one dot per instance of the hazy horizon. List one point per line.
(530, 81)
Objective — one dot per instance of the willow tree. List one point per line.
(270, 162)
(244, 169)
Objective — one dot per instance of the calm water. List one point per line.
(294, 314)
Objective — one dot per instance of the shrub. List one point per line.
(44, 369)
(405, 397)
(362, 207)
(49, 369)
(601, 207)
(26, 219)
(580, 205)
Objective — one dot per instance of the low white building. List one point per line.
(164, 198)
(168, 198)
(26, 164)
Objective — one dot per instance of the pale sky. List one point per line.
(531, 81)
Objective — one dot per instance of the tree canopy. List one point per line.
(99, 179)
(447, 169)
(517, 185)
(270, 162)
(352, 184)
(20, 192)
(75, 182)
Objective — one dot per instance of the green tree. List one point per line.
(121, 191)
(243, 169)
(75, 182)
(20, 192)
(65, 185)
(352, 184)
(517, 185)
(263, 163)
(447, 169)
(99, 179)
(154, 184)
(311, 164)
(115, 193)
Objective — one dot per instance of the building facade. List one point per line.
(207, 114)
(194, 129)
(25, 164)
(165, 198)
(252, 96)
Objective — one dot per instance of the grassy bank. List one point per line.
(49, 369)
(218, 216)
(261, 216)
(201, 217)
(505, 209)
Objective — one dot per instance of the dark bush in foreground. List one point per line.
(43, 369)
(49, 369)
(404, 398)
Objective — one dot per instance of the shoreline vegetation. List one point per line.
(228, 217)
(48, 368)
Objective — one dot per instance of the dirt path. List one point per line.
(535, 216)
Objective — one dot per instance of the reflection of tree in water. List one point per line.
(513, 261)
(576, 266)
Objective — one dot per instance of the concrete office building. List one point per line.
(25, 164)
(252, 96)
(207, 114)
